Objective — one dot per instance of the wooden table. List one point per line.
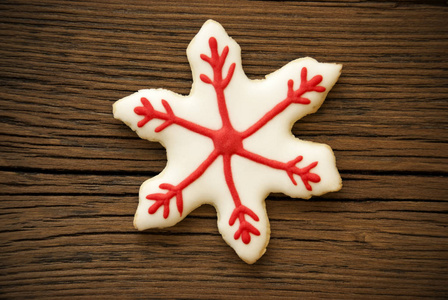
(70, 172)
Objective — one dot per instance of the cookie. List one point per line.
(229, 142)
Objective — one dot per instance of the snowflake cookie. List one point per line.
(229, 142)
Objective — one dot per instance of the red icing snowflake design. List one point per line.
(225, 77)
(228, 141)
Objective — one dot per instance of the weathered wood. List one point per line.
(70, 173)
(342, 247)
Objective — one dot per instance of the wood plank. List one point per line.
(344, 247)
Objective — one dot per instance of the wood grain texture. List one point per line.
(70, 173)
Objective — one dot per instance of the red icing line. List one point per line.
(292, 97)
(150, 113)
(289, 167)
(228, 141)
(176, 191)
(240, 210)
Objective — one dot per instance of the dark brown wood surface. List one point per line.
(70, 172)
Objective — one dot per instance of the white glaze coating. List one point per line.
(247, 101)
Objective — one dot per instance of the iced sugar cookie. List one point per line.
(229, 142)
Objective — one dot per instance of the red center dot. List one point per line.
(228, 141)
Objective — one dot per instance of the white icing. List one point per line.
(247, 101)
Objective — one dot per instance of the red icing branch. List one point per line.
(290, 167)
(245, 228)
(240, 211)
(293, 96)
(176, 191)
(164, 199)
(216, 61)
(149, 113)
